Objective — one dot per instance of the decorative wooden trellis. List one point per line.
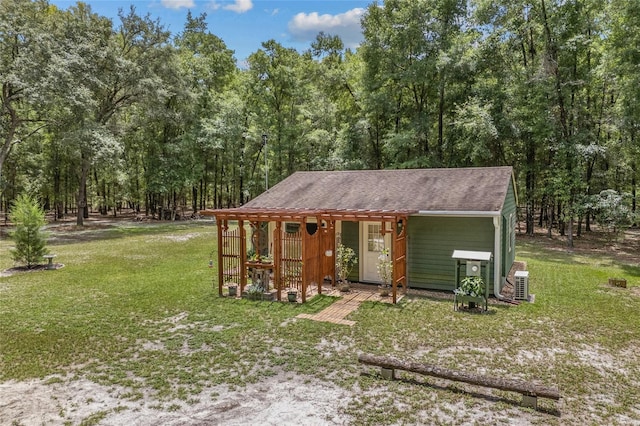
(232, 248)
(399, 254)
(305, 257)
(231, 265)
(290, 259)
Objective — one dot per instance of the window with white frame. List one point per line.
(375, 240)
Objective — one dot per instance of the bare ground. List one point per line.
(281, 399)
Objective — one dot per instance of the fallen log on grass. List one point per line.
(530, 391)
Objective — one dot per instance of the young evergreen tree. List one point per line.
(28, 217)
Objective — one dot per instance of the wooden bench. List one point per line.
(50, 258)
(530, 391)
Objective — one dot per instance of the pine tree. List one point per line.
(28, 217)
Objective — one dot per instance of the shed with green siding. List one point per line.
(451, 209)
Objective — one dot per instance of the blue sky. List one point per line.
(245, 24)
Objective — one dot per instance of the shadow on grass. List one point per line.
(447, 297)
(75, 234)
(311, 306)
(476, 394)
(631, 270)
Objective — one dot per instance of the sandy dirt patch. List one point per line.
(282, 399)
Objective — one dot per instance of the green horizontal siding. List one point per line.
(508, 231)
(432, 241)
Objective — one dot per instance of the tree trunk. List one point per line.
(520, 386)
(194, 199)
(570, 232)
(634, 202)
(105, 202)
(82, 191)
(57, 202)
(202, 207)
(14, 122)
(579, 230)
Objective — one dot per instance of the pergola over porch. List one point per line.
(314, 258)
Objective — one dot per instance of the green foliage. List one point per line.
(30, 240)
(384, 266)
(170, 123)
(471, 286)
(612, 211)
(255, 289)
(346, 259)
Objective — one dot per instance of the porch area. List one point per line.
(280, 250)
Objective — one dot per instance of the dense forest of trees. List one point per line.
(105, 115)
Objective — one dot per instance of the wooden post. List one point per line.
(220, 249)
(243, 256)
(395, 272)
(399, 256)
(277, 255)
(332, 266)
(525, 388)
(304, 235)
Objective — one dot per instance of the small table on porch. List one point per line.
(259, 271)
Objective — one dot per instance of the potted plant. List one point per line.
(233, 290)
(385, 272)
(254, 292)
(471, 290)
(292, 295)
(345, 261)
(231, 286)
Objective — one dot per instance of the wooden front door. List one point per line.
(372, 242)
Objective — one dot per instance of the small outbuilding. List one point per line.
(420, 215)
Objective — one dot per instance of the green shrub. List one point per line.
(613, 212)
(30, 240)
(345, 260)
(471, 286)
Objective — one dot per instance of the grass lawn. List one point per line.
(134, 311)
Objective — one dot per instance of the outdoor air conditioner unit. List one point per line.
(522, 285)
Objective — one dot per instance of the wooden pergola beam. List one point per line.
(298, 215)
(398, 218)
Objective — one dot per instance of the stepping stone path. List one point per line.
(340, 309)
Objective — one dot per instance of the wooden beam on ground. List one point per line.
(527, 389)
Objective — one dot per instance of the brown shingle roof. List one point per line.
(481, 189)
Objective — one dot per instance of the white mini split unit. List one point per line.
(522, 285)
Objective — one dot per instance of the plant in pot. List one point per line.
(385, 272)
(471, 287)
(345, 261)
(231, 286)
(252, 256)
(254, 291)
(292, 295)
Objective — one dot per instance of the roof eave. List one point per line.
(458, 213)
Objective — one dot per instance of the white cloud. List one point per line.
(238, 6)
(178, 4)
(305, 27)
